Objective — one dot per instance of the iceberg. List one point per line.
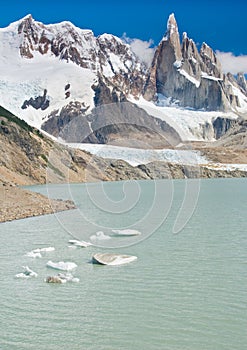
(61, 265)
(112, 259)
(81, 244)
(27, 273)
(100, 236)
(41, 250)
(32, 254)
(36, 253)
(126, 232)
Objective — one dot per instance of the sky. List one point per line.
(222, 24)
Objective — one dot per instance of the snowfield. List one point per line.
(29, 78)
(191, 125)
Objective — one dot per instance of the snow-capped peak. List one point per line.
(172, 27)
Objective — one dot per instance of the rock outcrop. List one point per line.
(39, 102)
(222, 125)
(242, 83)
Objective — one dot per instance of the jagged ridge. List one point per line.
(193, 78)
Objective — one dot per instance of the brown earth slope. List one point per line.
(29, 157)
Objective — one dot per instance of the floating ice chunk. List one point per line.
(61, 265)
(41, 250)
(81, 244)
(100, 236)
(62, 278)
(36, 253)
(112, 259)
(32, 254)
(69, 277)
(27, 273)
(54, 279)
(127, 232)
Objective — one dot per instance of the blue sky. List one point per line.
(222, 24)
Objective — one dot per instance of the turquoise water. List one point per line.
(186, 291)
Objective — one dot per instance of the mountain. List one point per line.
(58, 77)
(193, 78)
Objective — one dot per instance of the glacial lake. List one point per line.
(186, 291)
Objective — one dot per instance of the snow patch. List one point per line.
(189, 77)
(210, 77)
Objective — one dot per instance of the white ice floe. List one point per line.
(32, 254)
(61, 265)
(40, 250)
(112, 259)
(127, 232)
(36, 253)
(27, 273)
(81, 244)
(68, 277)
(99, 236)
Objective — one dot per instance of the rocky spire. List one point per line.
(25, 24)
(242, 82)
(172, 36)
(211, 64)
(191, 57)
(167, 58)
(194, 79)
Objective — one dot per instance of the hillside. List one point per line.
(29, 157)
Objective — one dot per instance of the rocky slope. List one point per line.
(29, 157)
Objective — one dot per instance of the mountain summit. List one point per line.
(193, 78)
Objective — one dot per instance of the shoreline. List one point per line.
(17, 203)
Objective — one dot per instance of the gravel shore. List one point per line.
(17, 203)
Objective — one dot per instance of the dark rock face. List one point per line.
(193, 78)
(222, 125)
(40, 102)
(105, 95)
(57, 121)
(242, 82)
(122, 124)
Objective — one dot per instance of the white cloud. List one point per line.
(144, 50)
(231, 63)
